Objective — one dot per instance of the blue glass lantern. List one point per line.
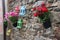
(22, 10)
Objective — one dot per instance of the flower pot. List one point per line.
(47, 24)
(15, 24)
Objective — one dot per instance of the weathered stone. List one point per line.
(56, 16)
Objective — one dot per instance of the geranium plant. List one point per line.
(11, 16)
(41, 12)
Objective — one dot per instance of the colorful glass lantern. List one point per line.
(22, 11)
(8, 32)
(17, 9)
(19, 23)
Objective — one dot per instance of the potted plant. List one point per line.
(43, 14)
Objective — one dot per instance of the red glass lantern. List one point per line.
(17, 8)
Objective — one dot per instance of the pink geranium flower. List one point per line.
(6, 15)
(13, 14)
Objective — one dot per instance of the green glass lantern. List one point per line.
(19, 23)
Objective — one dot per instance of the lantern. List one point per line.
(22, 11)
(19, 23)
(8, 32)
(17, 8)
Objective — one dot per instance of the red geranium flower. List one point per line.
(43, 4)
(44, 9)
(38, 8)
(33, 9)
(36, 14)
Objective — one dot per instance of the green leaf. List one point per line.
(13, 19)
(44, 17)
(5, 23)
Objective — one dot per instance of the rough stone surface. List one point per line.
(33, 29)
